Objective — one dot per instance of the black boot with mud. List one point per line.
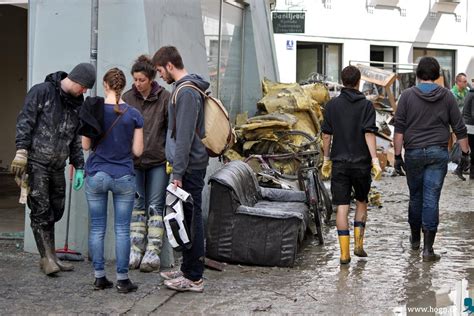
(428, 252)
(125, 286)
(415, 237)
(102, 283)
(47, 262)
(63, 266)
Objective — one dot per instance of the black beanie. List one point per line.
(83, 74)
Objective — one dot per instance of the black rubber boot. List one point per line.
(428, 252)
(47, 263)
(102, 283)
(63, 266)
(125, 286)
(458, 172)
(415, 237)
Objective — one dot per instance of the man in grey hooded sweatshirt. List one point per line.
(424, 114)
(188, 157)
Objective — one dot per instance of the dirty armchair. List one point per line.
(252, 224)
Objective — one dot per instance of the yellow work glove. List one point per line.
(169, 168)
(326, 170)
(18, 166)
(376, 169)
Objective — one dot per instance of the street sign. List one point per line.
(288, 22)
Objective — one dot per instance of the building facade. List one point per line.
(338, 32)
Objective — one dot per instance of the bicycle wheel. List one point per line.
(292, 142)
(325, 204)
(313, 204)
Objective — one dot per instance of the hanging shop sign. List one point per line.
(288, 22)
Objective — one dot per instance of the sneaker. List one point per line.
(182, 284)
(170, 275)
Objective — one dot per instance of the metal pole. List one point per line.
(94, 36)
(219, 49)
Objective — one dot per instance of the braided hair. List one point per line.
(115, 79)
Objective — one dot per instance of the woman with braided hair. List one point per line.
(110, 168)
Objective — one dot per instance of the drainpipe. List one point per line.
(94, 36)
(219, 50)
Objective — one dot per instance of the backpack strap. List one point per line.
(174, 97)
(110, 129)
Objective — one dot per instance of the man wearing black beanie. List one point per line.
(46, 136)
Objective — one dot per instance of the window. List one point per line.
(445, 58)
(223, 30)
(325, 59)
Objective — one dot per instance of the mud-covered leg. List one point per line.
(151, 260)
(137, 238)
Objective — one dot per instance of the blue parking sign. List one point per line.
(290, 44)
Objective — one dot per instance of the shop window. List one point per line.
(320, 58)
(223, 29)
(446, 59)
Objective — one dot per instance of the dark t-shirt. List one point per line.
(348, 118)
(114, 154)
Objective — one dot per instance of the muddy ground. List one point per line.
(392, 280)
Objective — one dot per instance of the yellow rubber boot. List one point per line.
(359, 228)
(344, 241)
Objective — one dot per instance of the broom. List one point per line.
(65, 253)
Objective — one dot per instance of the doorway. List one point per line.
(384, 54)
(13, 80)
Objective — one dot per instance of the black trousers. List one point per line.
(470, 138)
(46, 196)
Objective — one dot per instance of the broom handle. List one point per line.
(71, 174)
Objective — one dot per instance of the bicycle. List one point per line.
(306, 173)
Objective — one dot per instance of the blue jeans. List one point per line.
(151, 190)
(193, 259)
(425, 171)
(123, 191)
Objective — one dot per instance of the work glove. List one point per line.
(18, 166)
(326, 169)
(376, 169)
(169, 168)
(78, 179)
(399, 165)
(463, 164)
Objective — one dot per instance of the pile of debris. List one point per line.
(284, 107)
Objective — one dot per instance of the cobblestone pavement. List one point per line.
(392, 280)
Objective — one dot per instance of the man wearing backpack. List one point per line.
(188, 157)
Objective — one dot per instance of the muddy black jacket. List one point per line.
(47, 125)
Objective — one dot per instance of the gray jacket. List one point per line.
(468, 112)
(424, 118)
(185, 150)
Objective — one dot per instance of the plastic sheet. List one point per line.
(137, 238)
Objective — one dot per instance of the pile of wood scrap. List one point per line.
(385, 106)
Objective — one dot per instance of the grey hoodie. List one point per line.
(185, 151)
(424, 118)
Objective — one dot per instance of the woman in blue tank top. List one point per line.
(110, 168)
